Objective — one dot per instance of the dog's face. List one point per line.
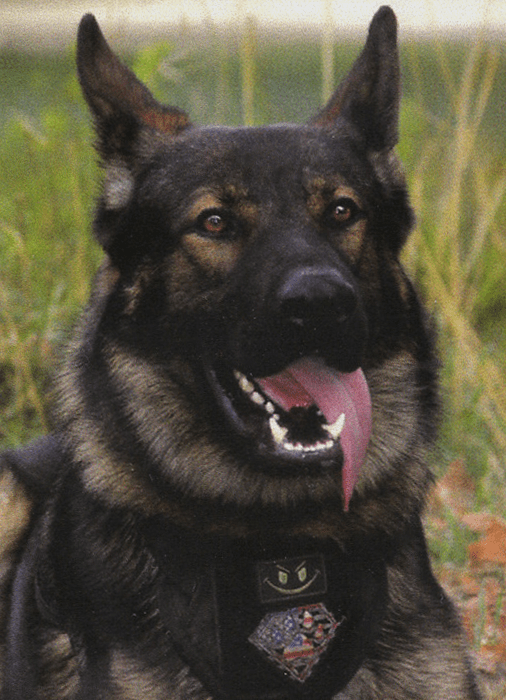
(256, 289)
(269, 229)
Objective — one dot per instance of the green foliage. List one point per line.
(458, 186)
(453, 144)
(147, 65)
(47, 175)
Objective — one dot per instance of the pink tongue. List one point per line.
(309, 381)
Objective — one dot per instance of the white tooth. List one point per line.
(336, 428)
(269, 407)
(278, 432)
(257, 398)
(294, 447)
(245, 383)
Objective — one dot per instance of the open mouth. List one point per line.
(307, 417)
(297, 426)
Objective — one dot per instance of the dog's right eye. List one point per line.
(216, 224)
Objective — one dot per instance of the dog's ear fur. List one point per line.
(119, 102)
(368, 98)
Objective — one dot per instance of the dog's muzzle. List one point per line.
(291, 384)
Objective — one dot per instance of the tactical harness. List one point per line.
(290, 619)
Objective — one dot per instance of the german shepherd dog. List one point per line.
(230, 507)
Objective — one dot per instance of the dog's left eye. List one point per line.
(344, 210)
(216, 224)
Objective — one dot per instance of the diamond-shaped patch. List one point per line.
(295, 639)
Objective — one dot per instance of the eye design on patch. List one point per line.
(289, 581)
(290, 578)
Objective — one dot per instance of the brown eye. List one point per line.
(344, 210)
(215, 224)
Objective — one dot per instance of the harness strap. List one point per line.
(253, 624)
(285, 619)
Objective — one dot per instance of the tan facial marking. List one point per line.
(352, 240)
(214, 257)
(345, 191)
(321, 195)
(316, 189)
(206, 200)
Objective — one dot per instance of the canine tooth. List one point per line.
(336, 428)
(278, 432)
(257, 398)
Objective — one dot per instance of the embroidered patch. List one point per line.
(291, 578)
(295, 639)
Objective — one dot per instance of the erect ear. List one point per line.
(120, 103)
(368, 98)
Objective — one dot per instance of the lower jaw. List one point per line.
(262, 444)
(295, 458)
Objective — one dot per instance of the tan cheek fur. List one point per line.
(191, 280)
(352, 241)
(199, 257)
(213, 257)
(349, 240)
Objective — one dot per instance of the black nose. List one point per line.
(311, 292)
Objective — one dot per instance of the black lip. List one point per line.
(250, 425)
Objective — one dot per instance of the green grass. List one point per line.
(453, 144)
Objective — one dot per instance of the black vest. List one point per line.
(283, 619)
(272, 619)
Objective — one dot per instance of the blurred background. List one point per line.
(53, 22)
(240, 62)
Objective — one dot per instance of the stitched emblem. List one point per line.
(295, 639)
(291, 578)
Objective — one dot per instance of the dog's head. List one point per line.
(265, 260)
